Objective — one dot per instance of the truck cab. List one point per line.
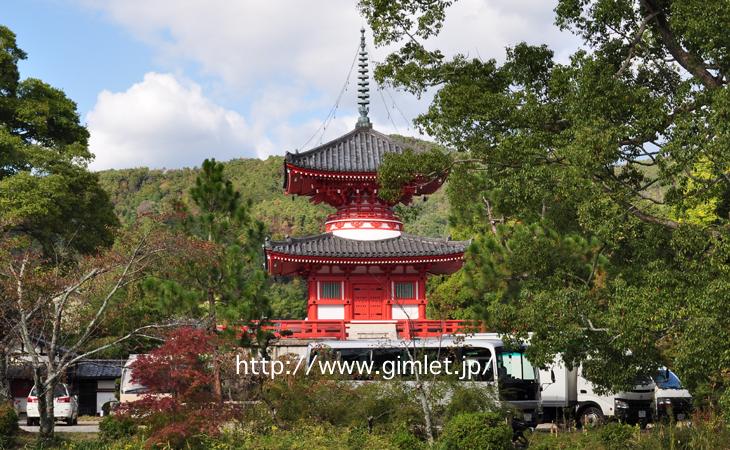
(671, 400)
(634, 406)
(567, 393)
(129, 389)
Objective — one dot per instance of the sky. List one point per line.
(168, 83)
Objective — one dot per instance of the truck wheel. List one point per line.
(70, 421)
(591, 417)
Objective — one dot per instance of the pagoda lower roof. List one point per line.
(330, 246)
(360, 150)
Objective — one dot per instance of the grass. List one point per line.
(28, 440)
(90, 419)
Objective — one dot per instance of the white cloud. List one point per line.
(166, 122)
(281, 64)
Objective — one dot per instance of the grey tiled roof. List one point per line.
(360, 150)
(100, 368)
(329, 245)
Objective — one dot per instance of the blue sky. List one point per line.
(167, 83)
(75, 49)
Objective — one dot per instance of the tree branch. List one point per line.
(690, 62)
(634, 43)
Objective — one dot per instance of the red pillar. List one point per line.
(312, 301)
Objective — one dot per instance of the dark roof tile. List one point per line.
(100, 368)
(360, 150)
(329, 245)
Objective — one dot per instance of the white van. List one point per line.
(65, 406)
(478, 360)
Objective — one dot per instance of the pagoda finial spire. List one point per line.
(363, 83)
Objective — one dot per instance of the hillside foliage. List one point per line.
(142, 191)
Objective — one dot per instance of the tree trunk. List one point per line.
(427, 419)
(45, 406)
(47, 421)
(217, 385)
(4, 384)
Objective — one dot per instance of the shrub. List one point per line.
(317, 400)
(8, 424)
(403, 439)
(302, 436)
(116, 427)
(177, 409)
(470, 399)
(486, 430)
(617, 436)
(357, 438)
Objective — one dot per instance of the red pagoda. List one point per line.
(364, 269)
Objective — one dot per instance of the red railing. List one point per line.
(434, 328)
(309, 329)
(337, 329)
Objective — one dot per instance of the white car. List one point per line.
(65, 406)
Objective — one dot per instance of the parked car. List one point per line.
(65, 406)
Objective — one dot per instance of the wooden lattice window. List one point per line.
(405, 289)
(330, 289)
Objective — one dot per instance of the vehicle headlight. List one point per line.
(620, 404)
(664, 402)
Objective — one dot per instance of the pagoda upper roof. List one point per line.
(361, 150)
(330, 246)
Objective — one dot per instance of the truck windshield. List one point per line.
(515, 365)
(666, 379)
(128, 386)
(517, 377)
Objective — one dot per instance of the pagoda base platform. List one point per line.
(370, 329)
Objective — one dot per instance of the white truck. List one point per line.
(129, 390)
(568, 394)
(671, 400)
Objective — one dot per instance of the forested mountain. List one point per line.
(141, 191)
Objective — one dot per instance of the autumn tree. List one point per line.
(596, 189)
(56, 311)
(46, 191)
(180, 381)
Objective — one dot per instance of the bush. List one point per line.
(8, 424)
(403, 439)
(486, 430)
(302, 436)
(470, 399)
(617, 436)
(116, 427)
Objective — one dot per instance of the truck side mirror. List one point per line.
(552, 375)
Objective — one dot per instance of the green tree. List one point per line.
(219, 274)
(235, 284)
(596, 189)
(46, 190)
